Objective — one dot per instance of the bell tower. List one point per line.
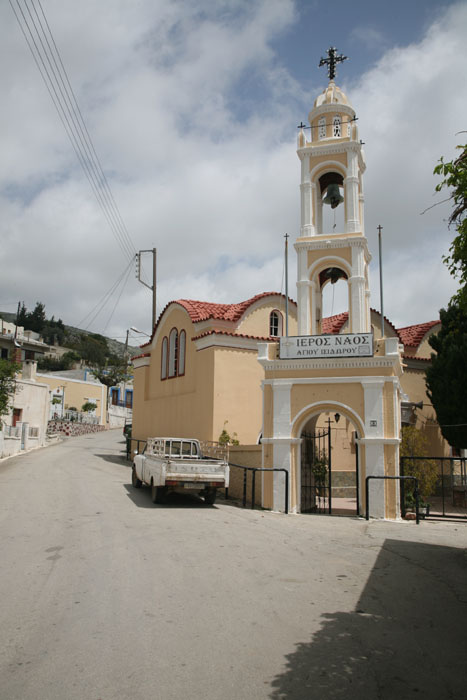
(313, 376)
(332, 167)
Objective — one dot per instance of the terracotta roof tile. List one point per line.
(236, 335)
(412, 336)
(204, 310)
(333, 324)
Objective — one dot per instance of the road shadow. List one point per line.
(115, 459)
(142, 498)
(406, 638)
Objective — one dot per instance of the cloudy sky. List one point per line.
(192, 107)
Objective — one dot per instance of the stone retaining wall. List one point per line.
(72, 428)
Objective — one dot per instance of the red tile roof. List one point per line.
(333, 324)
(237, 335)
(412, 336)
(204, 310)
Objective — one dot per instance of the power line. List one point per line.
(50, 65)
(103, 301)
(118, 299)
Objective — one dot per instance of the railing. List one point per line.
(209, 448)
(121, 404)
(76, 417)
(12, 431)
(253, 483)
(399, 478)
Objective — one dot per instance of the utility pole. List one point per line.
(380, 228)
(154, 277)
(286, 263)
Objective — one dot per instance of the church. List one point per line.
(304, 392)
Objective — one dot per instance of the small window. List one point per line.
(322, 128)
(129, 399)
(181, 354)
(186, 449)
(336, 126)
(173, 352)
(175, 448)
(275, 324)
(164, 359)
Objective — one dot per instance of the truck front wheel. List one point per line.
(134, 479)
(210, 496)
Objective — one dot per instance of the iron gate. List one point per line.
(315, 479)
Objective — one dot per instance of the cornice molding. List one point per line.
(336, 364)
(363, 380)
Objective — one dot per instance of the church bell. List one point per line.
(333, 196)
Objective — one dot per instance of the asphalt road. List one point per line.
(105, 596)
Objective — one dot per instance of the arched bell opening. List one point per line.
(330, 469)
(334, 292)
(331, 187)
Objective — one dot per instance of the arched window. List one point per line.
(322, 128)
(181, 354)
(164, 358)
(173, 352)
(336, 126)
(275, 323)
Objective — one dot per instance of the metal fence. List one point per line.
(448, 497)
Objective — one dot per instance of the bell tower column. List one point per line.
(307, 196)
(351, 184)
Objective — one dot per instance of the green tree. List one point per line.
(7, 385)
(22, 315)
(446, 379)
(112, 374)
(454, 173)
(414, 444)
(93, 349)
(35, 321)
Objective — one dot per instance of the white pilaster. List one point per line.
(281, 441)
(374, 442)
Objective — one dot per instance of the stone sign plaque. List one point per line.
(305, 347)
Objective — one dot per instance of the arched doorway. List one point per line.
(329, 465)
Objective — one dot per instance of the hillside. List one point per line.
(73, 334)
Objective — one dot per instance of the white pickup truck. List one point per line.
(170, 464)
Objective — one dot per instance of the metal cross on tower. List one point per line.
(331, 61)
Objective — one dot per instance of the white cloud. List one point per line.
(192, 115)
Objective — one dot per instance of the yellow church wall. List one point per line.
(390, 491)
(178, 406)
(388, 411)
(425, 349)
(303, 395)
(176, 318)
(238, 396)
(256, 322)
(413, 384)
